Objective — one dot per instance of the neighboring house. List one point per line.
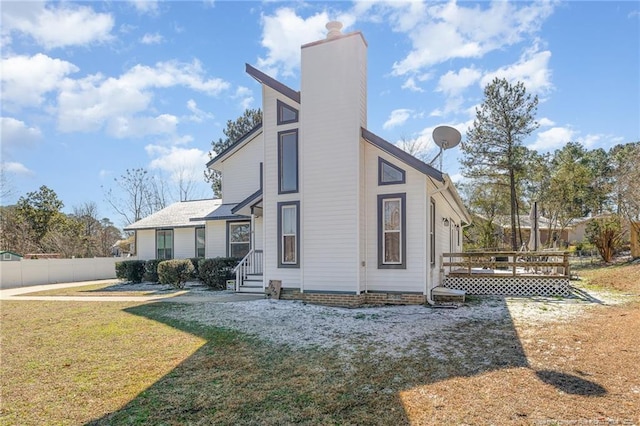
(549, 230)
(313, 199)
(172, 233)
(9, 256)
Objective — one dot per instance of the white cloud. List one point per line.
(453, 83)
(16, 133)
(16, 168)
(245, 95)
(441, 32)
(552, 139)
(140, 126)
(149, 7)
(591, 139)
(198, 115)
(282, 35)
(185, 164)
(154, 38)
(90, 103)
(546, 122)
(410, 84)
(56, 25)
(26, 79)
(532, 70)
(397, 118)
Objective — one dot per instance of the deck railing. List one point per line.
(251, 264)
(513, 263)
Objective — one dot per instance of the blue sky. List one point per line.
(90, 89)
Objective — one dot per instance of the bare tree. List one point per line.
(139, 195)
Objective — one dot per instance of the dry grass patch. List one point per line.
(620, 277)
(67, 363)
(109, 289)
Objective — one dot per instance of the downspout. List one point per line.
(429, 195)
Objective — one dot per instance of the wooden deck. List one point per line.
(508, 273)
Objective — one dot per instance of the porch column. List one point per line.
(253, 231)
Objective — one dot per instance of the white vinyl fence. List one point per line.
(52, 271)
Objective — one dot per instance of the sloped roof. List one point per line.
(177, 215)
(231, 149)
(273, 83)
(222, 212)
(401, 155)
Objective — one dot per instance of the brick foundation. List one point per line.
(354, 300)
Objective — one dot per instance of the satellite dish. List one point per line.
(445, 137)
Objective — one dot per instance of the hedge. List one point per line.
(131, 270)
(151, 270)
(175, 272)
(215, 272)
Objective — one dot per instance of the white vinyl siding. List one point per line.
(412, 277)
(330, 120)
(290, 277)
(146, 244)
(241, 172)
(184, 243)
(216, 238)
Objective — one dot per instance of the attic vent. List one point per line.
(334, 28)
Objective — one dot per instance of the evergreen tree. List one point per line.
(234, 131)
(493, 150)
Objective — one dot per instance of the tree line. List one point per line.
(36, 225)
(504, 177)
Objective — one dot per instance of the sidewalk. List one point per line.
(179, 297)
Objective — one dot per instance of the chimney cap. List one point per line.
(334, 28)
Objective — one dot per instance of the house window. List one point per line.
(288, 162)
(392, 231)
(286, 114)
(388, 174)
(164, 244)
(200, 236)
(239, 237)
(6, 256)
(432, 231)
(288, 234)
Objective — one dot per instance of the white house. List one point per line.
(313, 199)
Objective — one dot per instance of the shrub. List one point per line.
(130, 270)
(175, 272)
(214, 273)
(151, 270)
(195, 261)
(606, 234)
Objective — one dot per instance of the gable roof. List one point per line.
(231, 149)
(401, 155)
(10, 252)
(273, 83)
(177, 215)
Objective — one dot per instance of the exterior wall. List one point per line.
(331, 117)
(52, 271)
(215, 238)
(184, 243)
(444, 209)
(146, 244)
(411, 279)
(290, 277)
(259, 234)
(241, 171)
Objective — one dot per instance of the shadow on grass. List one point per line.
(571, 384)
(236, 379)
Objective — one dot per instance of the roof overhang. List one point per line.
(401, 155)
(250, 205)
(273, 83)
(236, 146)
